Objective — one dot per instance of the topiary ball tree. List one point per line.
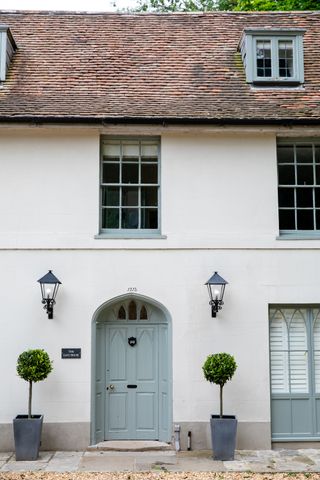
(219, 368)
(33, 366)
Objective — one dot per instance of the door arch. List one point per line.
(131, 370)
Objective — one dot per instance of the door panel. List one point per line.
(295, 375)
(118, 354)
(302, 416)
(117, 364)
(145, 412)
(132, 413)
(118, 411)
(100, 384)
(281, 416)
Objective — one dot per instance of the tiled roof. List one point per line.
(183, 67)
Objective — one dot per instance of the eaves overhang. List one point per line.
(91, 120)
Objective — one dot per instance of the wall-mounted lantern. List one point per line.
(49, 285)
(216, 286)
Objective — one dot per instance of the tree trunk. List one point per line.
(30, 399)
(221, 407)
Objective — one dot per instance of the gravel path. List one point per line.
(157, 476)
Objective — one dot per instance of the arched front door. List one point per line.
(132, 387)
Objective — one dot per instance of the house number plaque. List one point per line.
(70, 352)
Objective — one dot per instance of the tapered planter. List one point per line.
(27, 436)
(223, 436)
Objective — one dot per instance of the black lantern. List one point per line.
(216, 286)
(49, 285)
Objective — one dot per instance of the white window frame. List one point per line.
(248, 50)
(7, 49)
(128, 232)
(298, 233)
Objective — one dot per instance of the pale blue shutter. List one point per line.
(299, 379)
(316, 348)
(279, 353)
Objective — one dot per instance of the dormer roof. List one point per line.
(107, 67)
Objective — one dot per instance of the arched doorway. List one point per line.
(131, 378)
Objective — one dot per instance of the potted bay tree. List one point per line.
(219, 368)
(32, 366)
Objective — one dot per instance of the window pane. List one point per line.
(111, 150)
(263, 52)
(287, 220)
(149, 218)
(285, 154)
(285, 58)
(305, 220)
(130, 196)
(317, 196)
(130, 152)
(110, 218)
(132, 310)
(286, 175)
(317, 154)
(305, 197)
(304, 154)
(149, 152)
(110, 196)
(110, 173)
(318, 219)
(122, 313)
(286, 197)
(317, 174)
(130, 218)
(149, 196)
(305, 174)
(149, 173)
(143, 313)
(130, 173)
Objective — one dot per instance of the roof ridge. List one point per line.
(127, 12)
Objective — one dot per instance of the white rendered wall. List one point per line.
(218, 190)
(219, 212)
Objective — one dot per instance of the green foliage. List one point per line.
(34, 365)
(219, 368)
(164, 6)
(283, 5)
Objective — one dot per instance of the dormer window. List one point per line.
(7, 48)
(273, 56)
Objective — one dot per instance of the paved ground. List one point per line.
(255, 461)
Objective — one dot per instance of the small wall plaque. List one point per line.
(70, 352)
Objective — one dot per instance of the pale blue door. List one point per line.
(132, 382)
(295, 373)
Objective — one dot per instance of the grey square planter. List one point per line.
(27, 436)
(223, 436)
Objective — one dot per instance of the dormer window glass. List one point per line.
(285, 58)
(273, 56)
(263, 58)
(7, 49)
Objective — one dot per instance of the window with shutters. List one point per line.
(289, 351)
(295, 372)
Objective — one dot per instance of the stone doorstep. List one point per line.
(130, 446)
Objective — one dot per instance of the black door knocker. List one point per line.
(132, 341)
